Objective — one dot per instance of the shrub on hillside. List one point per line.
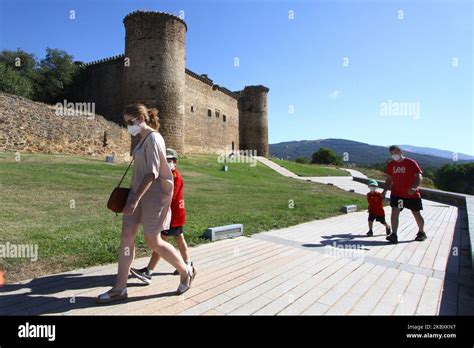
(326, 156)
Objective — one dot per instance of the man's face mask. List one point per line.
(396, 157)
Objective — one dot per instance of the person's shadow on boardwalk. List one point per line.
(36, 301)
(350, 241)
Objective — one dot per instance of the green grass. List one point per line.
(59, 203)
(302, 169)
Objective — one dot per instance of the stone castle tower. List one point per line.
(195, 114)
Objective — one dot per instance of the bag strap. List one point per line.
(126, 171)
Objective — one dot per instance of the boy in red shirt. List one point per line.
(178, 220)
(376, 211)
(404, 178)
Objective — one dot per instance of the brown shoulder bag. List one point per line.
(118, 197)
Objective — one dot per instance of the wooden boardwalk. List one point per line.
(321, 267)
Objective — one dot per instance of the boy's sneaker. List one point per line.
(392, 238)
(143, 274)
(388, 231)
(421, 236)
(370, 233)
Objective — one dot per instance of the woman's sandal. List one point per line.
(182, 288)
(112, 296)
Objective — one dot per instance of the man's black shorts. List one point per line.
(413, 204)
(173, 231)
(380, 219)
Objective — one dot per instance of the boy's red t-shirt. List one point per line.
(375, 200)
(178, 212)
(403, 175)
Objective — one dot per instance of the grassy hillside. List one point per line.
(302, 169)
(59, 203)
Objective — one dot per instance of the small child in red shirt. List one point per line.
(178, 220)
(376, 211)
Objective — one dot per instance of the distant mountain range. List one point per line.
(362, 153)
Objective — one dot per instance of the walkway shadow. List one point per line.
(457, 297)
(38, 302)
(349, 240)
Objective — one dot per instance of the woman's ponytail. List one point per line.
(153, 120)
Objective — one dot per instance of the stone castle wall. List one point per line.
(32, 127)
(204, 133)
(102, 82)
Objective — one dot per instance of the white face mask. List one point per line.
(171, 165)
(372, 189)
(134, 130)
(396, 157)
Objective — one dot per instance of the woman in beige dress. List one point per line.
(148, 202)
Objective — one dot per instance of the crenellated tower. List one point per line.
(154, 72)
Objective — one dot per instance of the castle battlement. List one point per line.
(111, 59)
(158, 14)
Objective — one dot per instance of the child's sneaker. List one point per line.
(370, 233)
(143, 274)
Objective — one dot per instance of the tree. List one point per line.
(18, 73)
(23, 62)
(456, 178)
(56, 72)
(326, 156)
(14, 83)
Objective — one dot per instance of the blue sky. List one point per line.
(422, 55)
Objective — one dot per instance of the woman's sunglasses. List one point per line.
(130, 122)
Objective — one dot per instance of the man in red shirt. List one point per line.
(404, 177)
(178, 220)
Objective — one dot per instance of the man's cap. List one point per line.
(171, 154)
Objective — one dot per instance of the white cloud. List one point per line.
(335, 94)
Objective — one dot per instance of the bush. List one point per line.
(301, 159)
(326, 156)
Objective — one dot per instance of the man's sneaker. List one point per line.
(388, 231)
(370, 233)
(392, 238)
(421, 236)
(143, 274)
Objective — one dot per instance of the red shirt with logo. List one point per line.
(178, 213)
(403, 175)
(375, 200)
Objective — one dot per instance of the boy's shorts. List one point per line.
(414, 204)
(173, 231)
(380, 219)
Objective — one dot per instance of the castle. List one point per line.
(196, 115)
